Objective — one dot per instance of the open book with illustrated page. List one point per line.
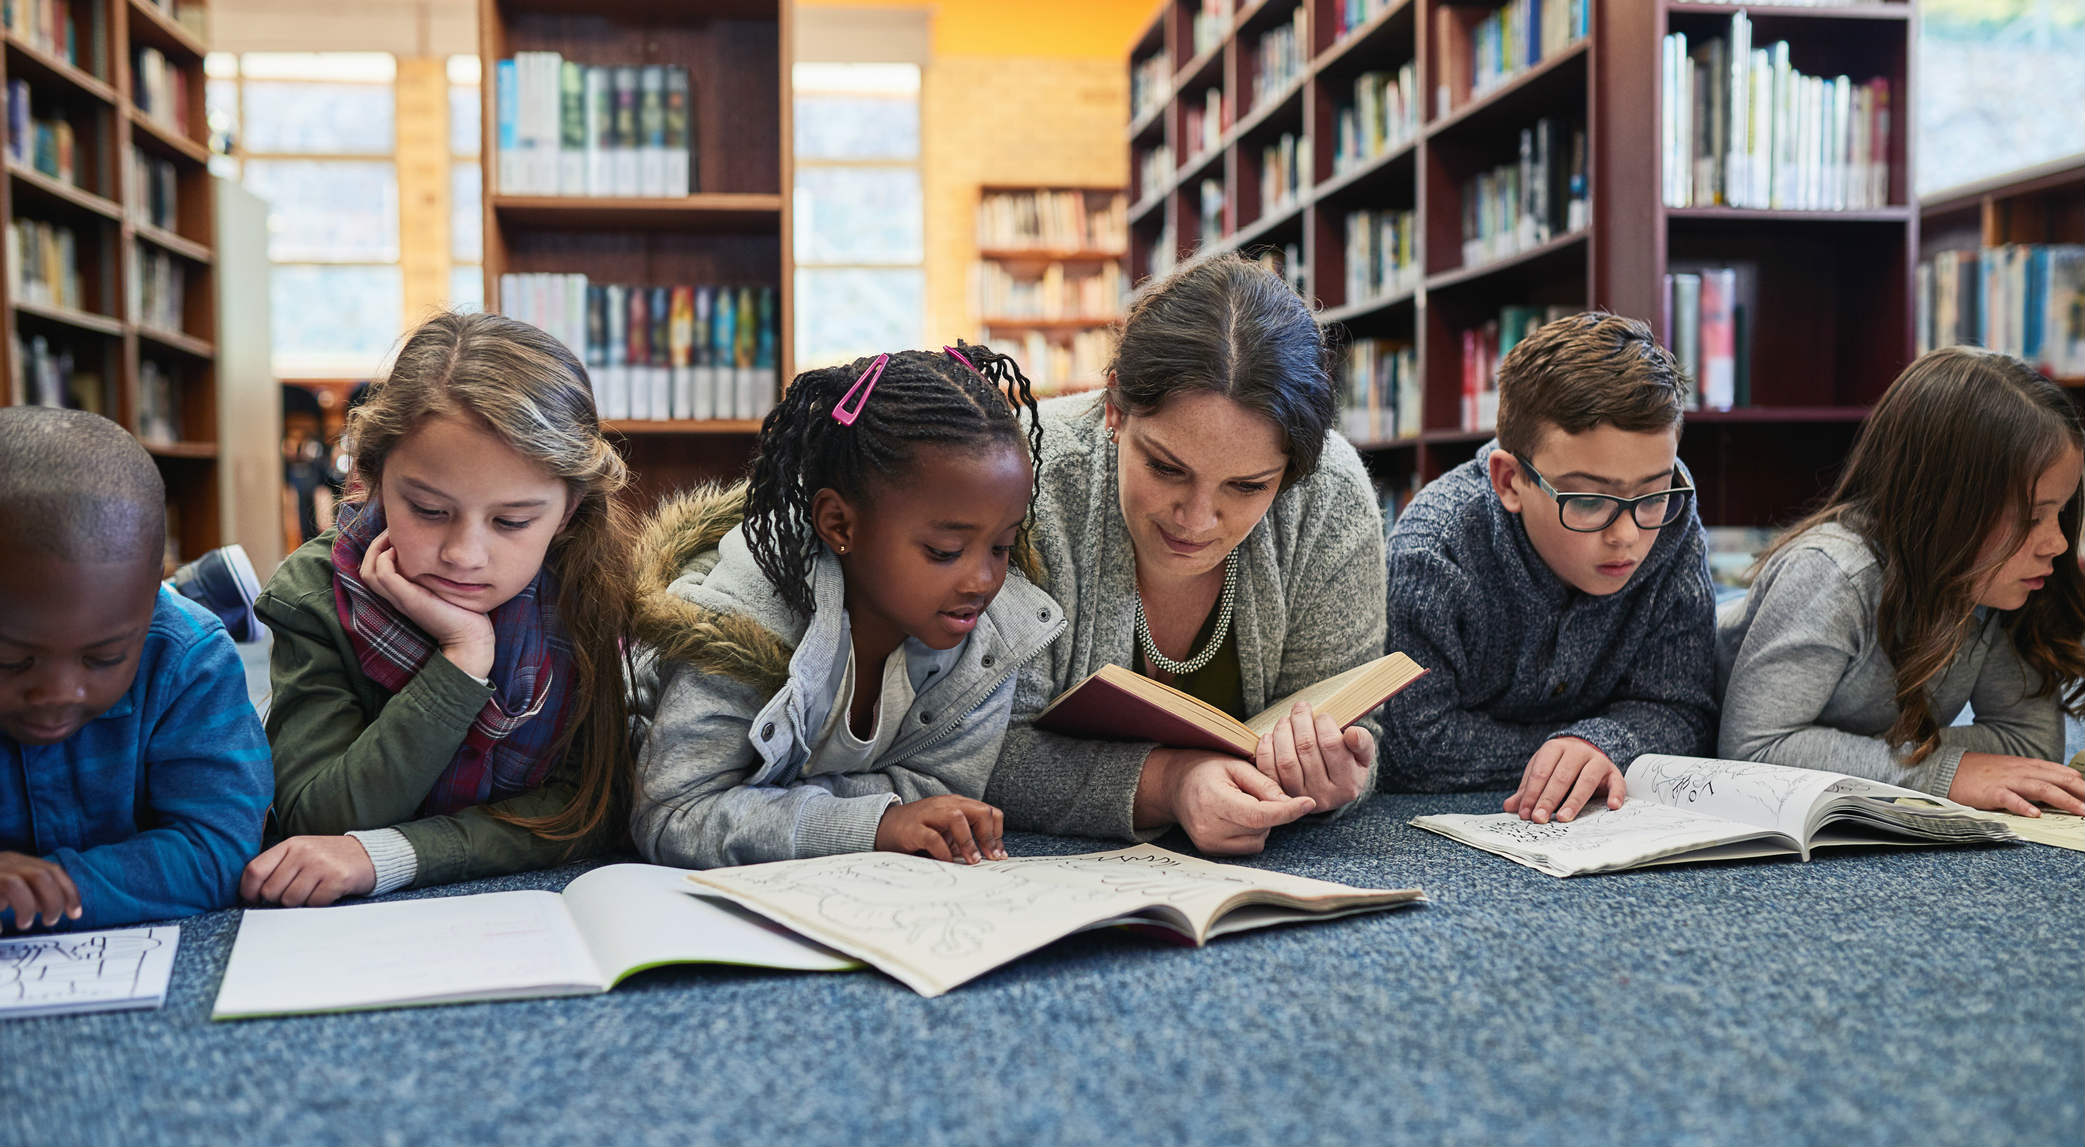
(1687, 809)
(935, 925)
(65, 973)
(1119, 704)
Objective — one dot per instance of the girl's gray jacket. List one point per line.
(744, 684)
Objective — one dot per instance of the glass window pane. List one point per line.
(336, 312)
(465, 70)
(1979, 63)
(856, 79)
(320, 211)
(857, 215)
(362, 67)
(856, 127)
(332, 119)
(466, 223)
(860, 312)
(467, 289)
(221, 110)
(465, 118)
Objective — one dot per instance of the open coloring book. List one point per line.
(67, 972)
(609, 923)
(935, 925)
(1686, 809)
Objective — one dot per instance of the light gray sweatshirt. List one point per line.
(1309, 605)
(1806, 683)
(728, 772)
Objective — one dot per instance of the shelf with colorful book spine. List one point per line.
(110, 295)
(1475, 166)
(1048, 286)
(2003, 266)
(637, 167)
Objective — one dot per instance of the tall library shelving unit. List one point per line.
(1047, 287)
(2003, 265)
(1221, 112)
(732, 227)
(110, 297)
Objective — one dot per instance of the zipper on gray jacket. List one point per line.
(948, 729)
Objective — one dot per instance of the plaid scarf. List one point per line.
(507, 750)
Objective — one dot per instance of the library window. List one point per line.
(1979, 63)
(858, 206)
(466, 188)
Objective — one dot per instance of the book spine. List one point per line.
(617, 341)
(679, 123)
(507, 103)
(723, 336)
(627, 169)
(600, 131)
(651, 130)
(703, 354)
(661, 352)
(680, 345)
(745, 344)
(571, 174)
(1718, 338)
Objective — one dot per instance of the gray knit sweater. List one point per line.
(1519, 657)
(1807, 684)
(1309, 587)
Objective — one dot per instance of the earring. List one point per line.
(843, 551)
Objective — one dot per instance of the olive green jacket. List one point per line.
(350, 754)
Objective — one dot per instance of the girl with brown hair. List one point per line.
(448, 666)
(1942, 571)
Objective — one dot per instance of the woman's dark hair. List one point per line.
(1228, 326)
(923, 398)
(1941, 485)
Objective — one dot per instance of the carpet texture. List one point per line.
(1882, 996)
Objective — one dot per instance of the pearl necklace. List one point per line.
(1164, 664)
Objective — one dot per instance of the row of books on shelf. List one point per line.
(566, 128)
(43, 264)
(1382, 254)
(158, 183)
(1383, 117)
(2027, 300)
(1284, 171)
(1212, 21)
(1150, 84)
(1742, 128)
(1053, 221)
(1541, 197)
(1705, 325)
(659, 352)
(1056, 293)
(45, 144)
(1380, 391)
(47, 25)
(1282, 56)
(1202, 127)
(1484, 347)
(192, 17)
(1508, 40)
(158, 289)
(1062, 365)
(159, 89)
(47, 375)
(1154, 169)
(159, 408)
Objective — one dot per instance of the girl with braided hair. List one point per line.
(838, 638)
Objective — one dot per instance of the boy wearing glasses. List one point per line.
(1557, 585)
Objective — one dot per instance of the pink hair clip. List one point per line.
(865, 384)
(958, 356)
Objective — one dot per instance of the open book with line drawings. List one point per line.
(935, 925)
(64, 973)
(1686, 809)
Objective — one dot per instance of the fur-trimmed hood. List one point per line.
(680, 547)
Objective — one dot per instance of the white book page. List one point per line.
(87, 971)
(494, 945)
(1599, 840)
(1766, 796)
(638, 916)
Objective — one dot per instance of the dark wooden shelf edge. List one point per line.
(1357, 35)
(168, 28)
(77, 196)
(166, 137)
(79, 320)
(1476, 107)
(168, 241)
(79, 78)
(1884, 12)
(1259, 116)
(1892, 214)
(179, 449)
(2042, 177)
(1342, 180)
(177, 341)
(1351, 311)
(1462, 275)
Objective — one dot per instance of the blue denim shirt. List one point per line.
(154, 807)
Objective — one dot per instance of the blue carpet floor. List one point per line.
(1869, 997)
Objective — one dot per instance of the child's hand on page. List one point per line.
(309, 872)
(2017, 784)
(1561, 777)
(1308, 756)
(945, 828)
(33, 887)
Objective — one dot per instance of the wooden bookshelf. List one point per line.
(1051, 343)
(1829, 292)
(109, 342)
(734, 226)
(2041, 204)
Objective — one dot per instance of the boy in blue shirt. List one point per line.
(134, 775)
(1557, 585)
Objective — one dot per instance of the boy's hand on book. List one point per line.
(309, 872)
(465, 635)
(1308, 756)
(1561, 777)
(2017, 784)
(32, 887)
(945, 828)
(1223, 802)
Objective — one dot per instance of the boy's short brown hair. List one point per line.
(1585, 370)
